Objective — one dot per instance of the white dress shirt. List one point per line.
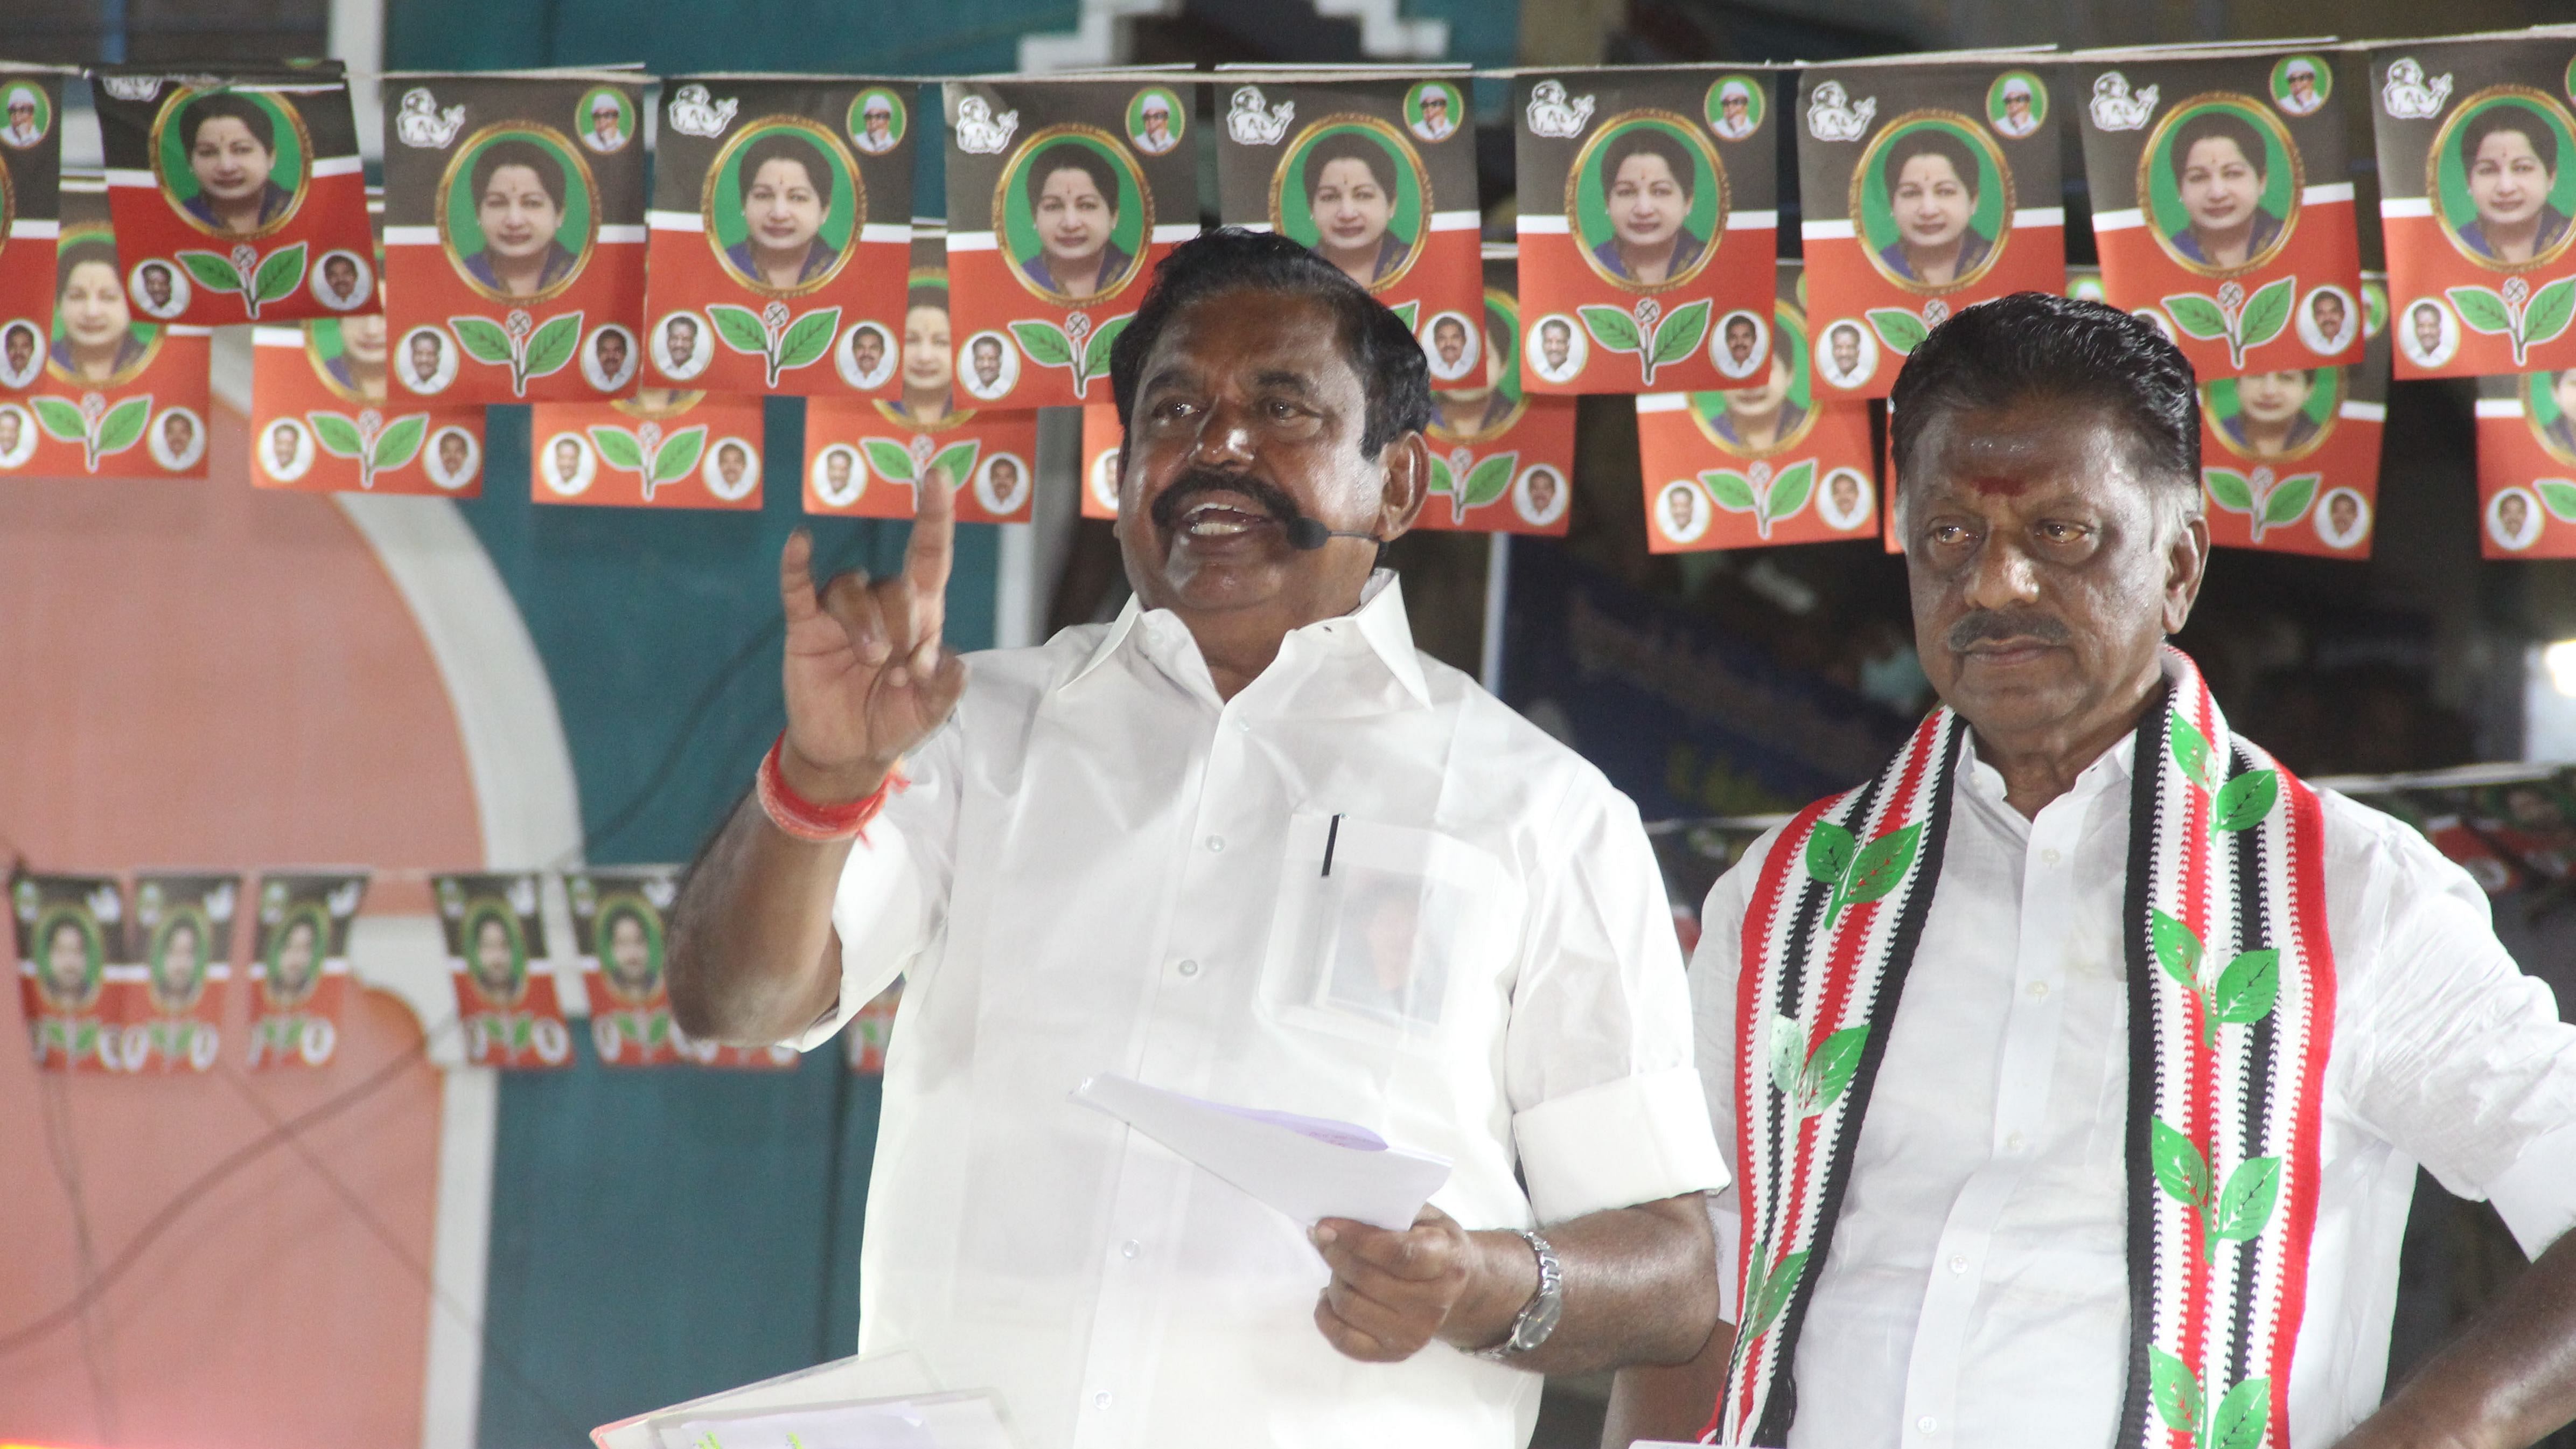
(1977, 1289)
(1102, 866)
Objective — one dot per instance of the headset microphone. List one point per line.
(1306, 535)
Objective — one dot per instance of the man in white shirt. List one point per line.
(1246, 843)
(2087, 1059)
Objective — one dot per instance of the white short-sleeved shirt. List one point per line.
(1977, 1290)
(1101, 866)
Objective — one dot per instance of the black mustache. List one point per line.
(1988, 624)
(1198, 482)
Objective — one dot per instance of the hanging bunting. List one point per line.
(1101, 441)
(1648, 225)
(516, 251)
(505, 985)
(183, 931)
(2222, 203)
(1062, 196)
(781, 221)
(73, 985)
(1376, 173)
(862, 458)
(2290, 458)
(872, 1030)
(659, 449)
(1930, 184)
(119, 397)
(2477, 181)
(1779, 463)
(618, 932)
(239, 196)
(319, 420)
(31, 173)
(2527, 464)
(299, 967)
(1501, 462)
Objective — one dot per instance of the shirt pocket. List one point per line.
(1382, 930)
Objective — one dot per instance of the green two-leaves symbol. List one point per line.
(1486, 480)
(2237, 1212)
(2241, 1419)
(2245, 801)
(2526, 324)
(255, 278)
(785, 348)
(1898, 330)
(1857, 872)
(1766, 1294)
(2242, 994)
(101, 429)
(1813, 1082)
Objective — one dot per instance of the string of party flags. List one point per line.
(525, 248)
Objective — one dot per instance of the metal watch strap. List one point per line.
(1537, 1318)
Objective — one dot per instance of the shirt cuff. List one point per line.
(2536, 1196)
(1634, 1140)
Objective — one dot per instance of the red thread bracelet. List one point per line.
(804, 819)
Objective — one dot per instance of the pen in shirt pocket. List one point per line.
(1331, 835)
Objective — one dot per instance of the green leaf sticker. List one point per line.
(2248, 988)
(337, 434)
(2243, 1206)
(1731, 490)
(1829, 852)
(2178, 948)
(1679, 335)
(2196, 315)
(1788, 1055)
(956, 462)
(61, 418)
(482, 339)
(1044, 342)
(2191, 751)
(2267, 311)
(2289, 501)
(1829, 1072)
(1491, 479)
(400, 442)
(810, 340)
(888, 458)
(619, 448)
(2548, 312)
(2482, 308)
(1882, 863)
(2176, 1390)
(1611, 327)
(1790, 490)
(2228, 489)
(1441, 480)
(2246, 800)
(2243, 1416)
(2559, 497)
(123, 426)
(2180, 1169)
(211, 271)
(1776, 1288)
(279, 275)
(1900, 330)
(1095, 353)
(678, 456)
(554, 344)
(739, 327)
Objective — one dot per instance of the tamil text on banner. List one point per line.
(118, 396)
(1930, 184)
(183, 933)
(2477, 182)
(2289, 457)
(1501, 461)
(1648, 219)
(781, 222)
(514, 234)
(872, 1030)
(31, 173)
(239, 196)
(505, 983)
(2222, 202)
(1101, 442)
(71, 938)
(1778, 463)
(1377, 174)
(1062, 196)
(662, 448)
(863, 458)
(299, 965)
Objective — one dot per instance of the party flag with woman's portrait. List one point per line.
(2527, 464)
(1929, 185)
(781, 224)
(505, 982)
(1647, 222)
(73, 978)
(239, 196)
(662, 448)
(1376, 173)
(31, 174)
(1063, 194)
(2221, 203)
(514, 235)
(1502, 461)
(1785, 462)
(183, 933)
(299, 965)
(325, 418)
(118, 396)
(2289, 458)
(863, 458)
(2477, 185)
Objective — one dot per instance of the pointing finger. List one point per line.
(796, 577)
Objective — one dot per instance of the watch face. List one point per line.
(1539, 1321)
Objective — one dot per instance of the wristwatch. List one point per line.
(1537, 1317)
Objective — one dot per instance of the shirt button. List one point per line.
(1216, 842)
(2039, 991)
(1928, 1424)
(1959, 1264)
(1100, 1400)
(2046, 857)
(2013, 1142)
(1189, 968)
(1130, 1248)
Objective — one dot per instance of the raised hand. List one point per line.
(867, 677)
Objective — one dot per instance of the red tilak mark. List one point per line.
(1998, 487)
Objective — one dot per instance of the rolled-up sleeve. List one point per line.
(892, 901)
(1606, 1102)
(1713, 970)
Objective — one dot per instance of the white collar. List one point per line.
(1380, 623)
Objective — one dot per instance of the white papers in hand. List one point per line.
(895, 1373)
(942, 1421)
(1307, 1167)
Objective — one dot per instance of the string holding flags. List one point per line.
(299, 969)
(510, 1010)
